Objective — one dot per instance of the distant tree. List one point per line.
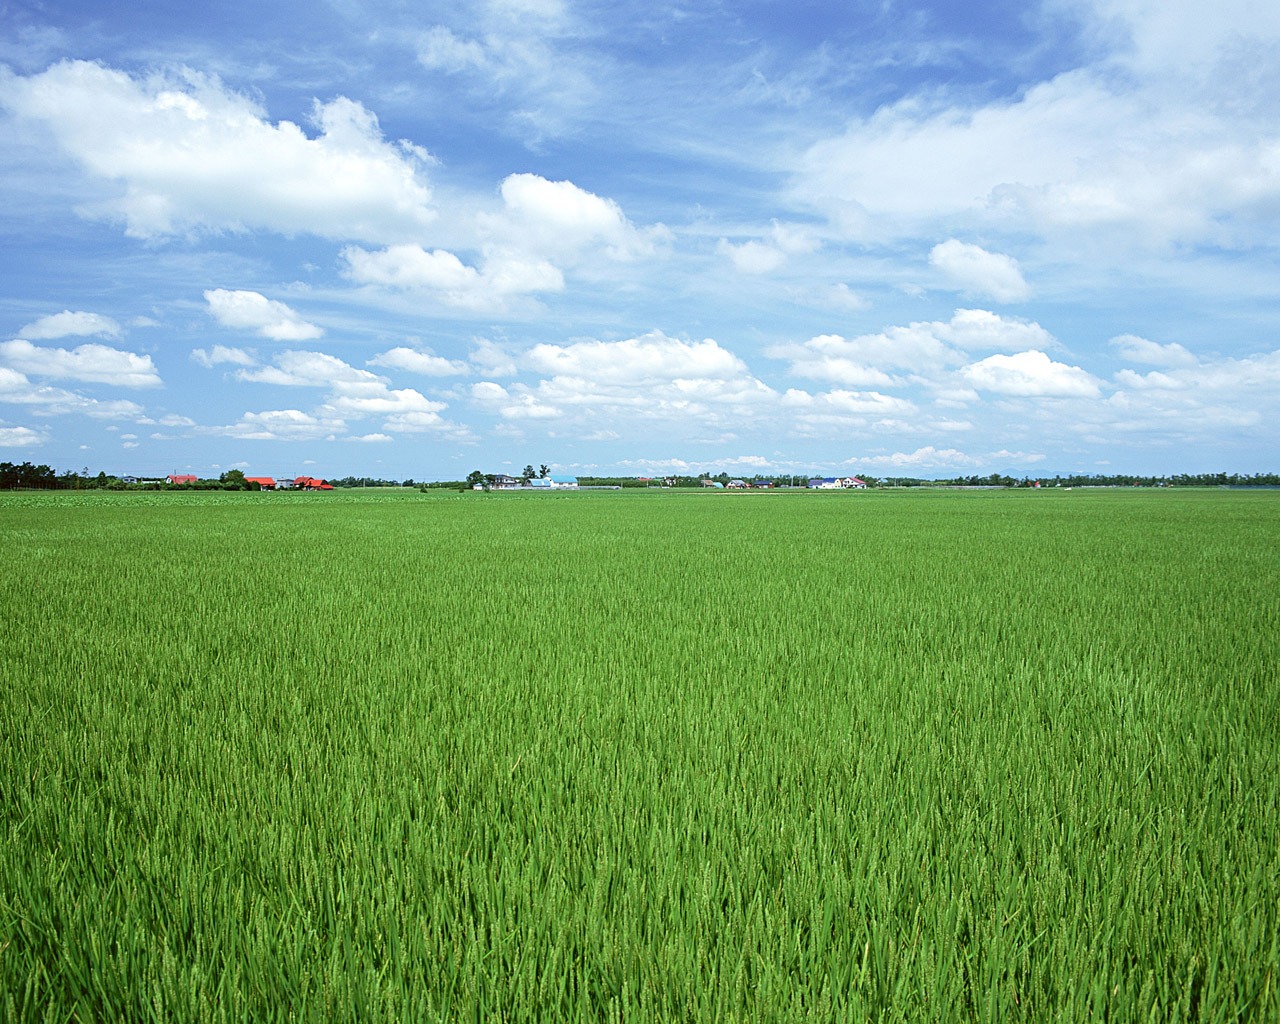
(475, 478)
(233, 480)
(26, 475)
(544, 471)
(528, 473)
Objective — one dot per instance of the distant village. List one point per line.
(262, 483)
(27, 476)
(235, 479)
(547, 481)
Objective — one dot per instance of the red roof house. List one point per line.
(265, 482)
(181, 478)
(310, 483)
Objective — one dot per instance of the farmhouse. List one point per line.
(834, 483)
(266, 483)
(181, 478)
(309, 483)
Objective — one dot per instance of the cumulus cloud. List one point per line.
(562, 221)
(841, 408)
(751, 257)
(220, 354)
(68, 324)
(519, 249)
(1152, 353)
(189, 154)
(426, 363)
(492, 359)
(975, 271)
(1180, 403)
(412, 268)
(91, 363)
(308, 369)
(651, 379)
(351, 393)
(283, 425)
(245, 310)
(520, 402)
(933, 458)
(370, 399)
(756, 256)
(416, 422)
(1031, 375)
(1196, 163)
(20, 437)
(17, 389)
(653, 358)
(871, 360)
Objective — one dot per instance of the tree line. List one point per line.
(28, 476)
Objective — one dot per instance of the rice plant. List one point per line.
(885, 756)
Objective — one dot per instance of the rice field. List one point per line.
(891, 756)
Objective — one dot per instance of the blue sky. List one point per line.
(411, 240)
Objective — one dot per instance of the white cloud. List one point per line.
(511, 52)
(653, 358)
(441, 50)
(1152, 353)
(976, 271)
(492, 359)
(426, 363)
(412, 268)
(919, 348)
(245, 310)
(757, 256)
(283, 425)
(1031, 375)
(371, 438)
(752, 257)
(517, 403)
(840, 296)
(352, 393)
(1195, 163)
(369, 400)
(560, 220)
(220, 354)
(189, 154)
(309, 369)
(1181, 403)
(832, 407)
(16, 389)
(415, 422)
(92, 363)
(20, 437)
(655, 380)
(69, 324)
(933, 458)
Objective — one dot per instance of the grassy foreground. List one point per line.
(884, 756)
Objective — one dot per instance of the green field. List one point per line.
(640, 756)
